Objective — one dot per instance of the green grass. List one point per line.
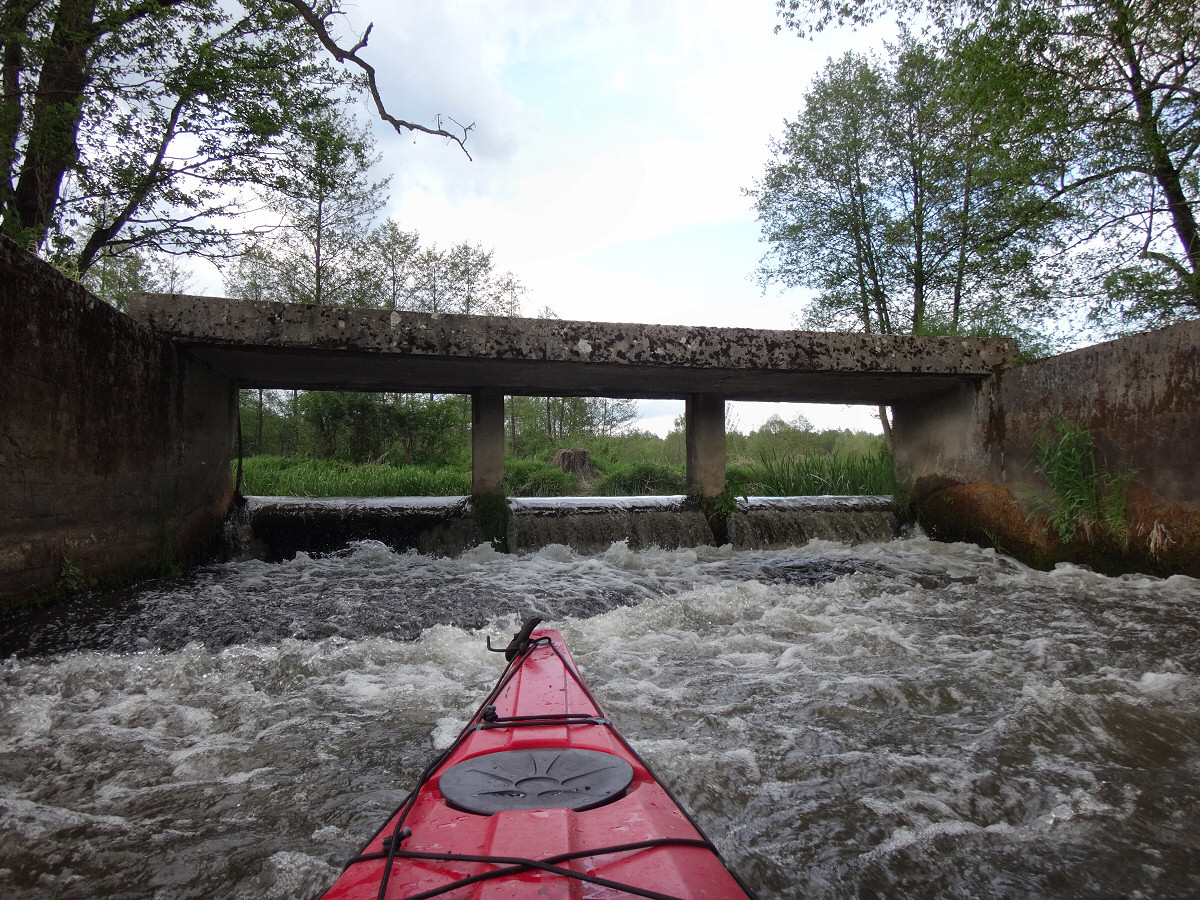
(1081, 495)
(643, 478)
(298, 477)
(537, 478)
(813, 475)
(771, 476)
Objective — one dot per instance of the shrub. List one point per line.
(537, 478)
(1081, 496)
(637, 479)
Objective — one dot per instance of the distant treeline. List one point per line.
(323, 443)
(424, 429)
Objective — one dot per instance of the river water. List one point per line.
(902, 719)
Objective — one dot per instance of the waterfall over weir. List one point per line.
(276, 528)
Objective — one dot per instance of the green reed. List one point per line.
(277, 476)
(1082, 496)
(815, 474)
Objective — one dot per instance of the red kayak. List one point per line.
(538, 797)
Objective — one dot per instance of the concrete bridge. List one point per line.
(281, 345)
(115, 431)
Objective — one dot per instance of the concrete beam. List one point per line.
(704, 435)
(487, 441)
(284, 345)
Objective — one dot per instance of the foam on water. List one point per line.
(906, 719)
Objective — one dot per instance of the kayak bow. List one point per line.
(539, 796)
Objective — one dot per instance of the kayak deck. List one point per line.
(538, 797)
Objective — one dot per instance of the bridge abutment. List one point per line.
(114, 442)
(967, 454)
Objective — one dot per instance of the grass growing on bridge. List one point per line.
(772, 476)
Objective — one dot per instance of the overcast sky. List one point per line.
(612, 142)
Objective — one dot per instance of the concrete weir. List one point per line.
(967, 454)
(277, 528)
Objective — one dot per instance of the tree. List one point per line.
(115, 276)
(509, 292)
(821, 203)
(1117, 106)
(885, 199)
(1105, 93)
(390, 257)
(327, 199)
(469, 268)
(610, 416)
(137, 124)
(433, 288)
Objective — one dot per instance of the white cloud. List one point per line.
(611, 145)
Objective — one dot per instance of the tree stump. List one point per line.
(578, 462)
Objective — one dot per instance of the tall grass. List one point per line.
(771, 476)
(814, 475)
(297, 477)
(537, 478)
(1081, 495)
(637, 479)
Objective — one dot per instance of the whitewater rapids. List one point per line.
(901, 719)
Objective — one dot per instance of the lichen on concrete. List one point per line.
(266, 343)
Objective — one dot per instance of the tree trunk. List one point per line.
(887, 426)
(52, 147)
(960, 268)
(318, 266)
(1163, 168)
(14, 20)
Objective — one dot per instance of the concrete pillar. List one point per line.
(487, 441)
(704, 431)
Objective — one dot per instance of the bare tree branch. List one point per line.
(317, 19)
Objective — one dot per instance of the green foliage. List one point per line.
(887, 199)
(635, 479)
(1099, 103)
(350, 426)
(1082, 496)
(1032, 343)
(358, 426)
(786, 476)
(324, 192)
(537, 478)
(724, 504)
(71, 579)
(492, 514)
(370, 444)
(741, 480)
(116, 276)
(300, 477)
(784, 438)
(326, 255)
(141, 125)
